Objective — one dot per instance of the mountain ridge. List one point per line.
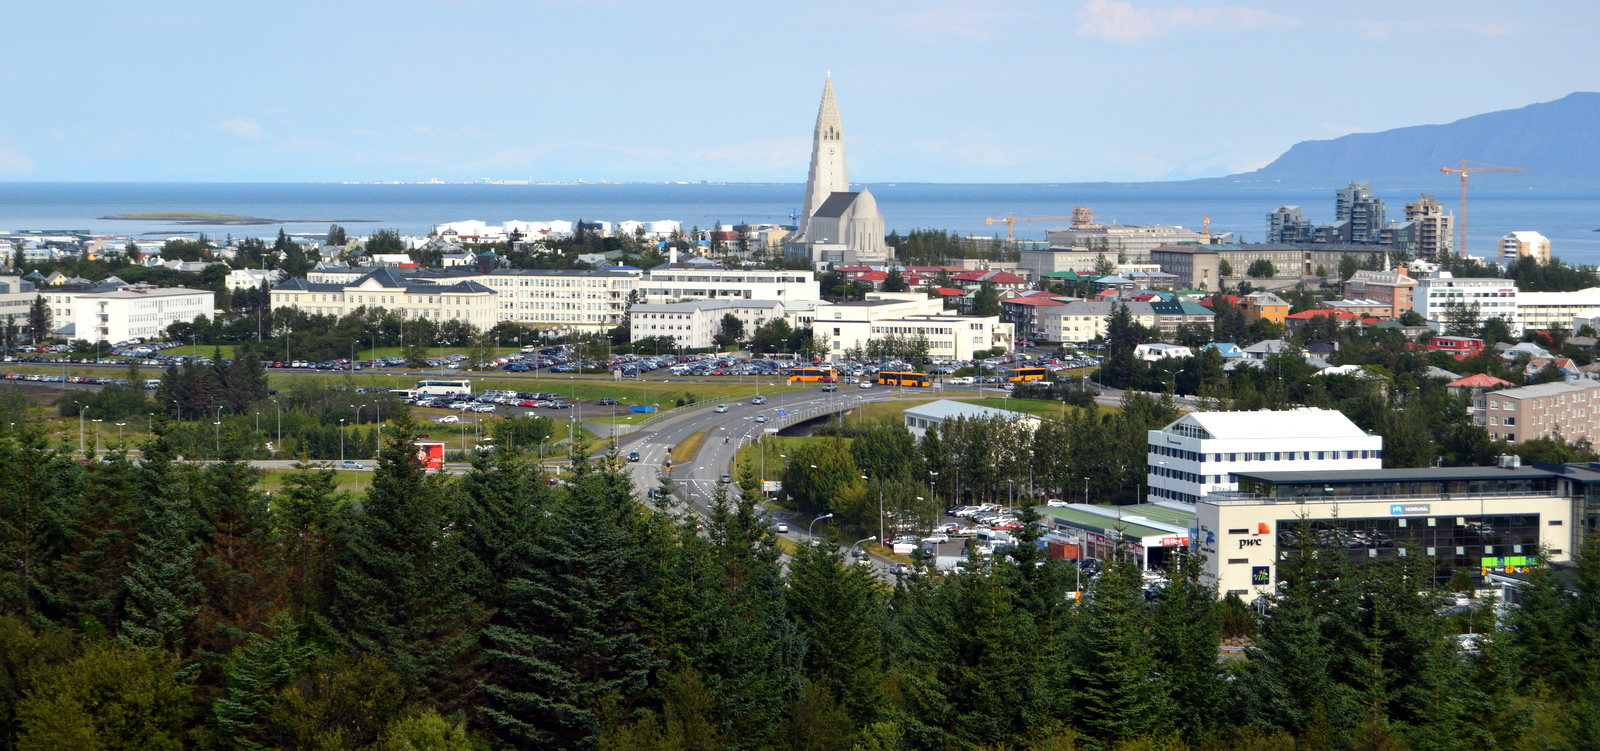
(1558, 142)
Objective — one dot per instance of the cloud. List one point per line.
(948, 21)
(244, 128)
(13, 161)
(1116, 21)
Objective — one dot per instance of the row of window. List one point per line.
(1264, 456)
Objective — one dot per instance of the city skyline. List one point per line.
(1008, 92)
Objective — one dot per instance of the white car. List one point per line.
(866, 384)
(963, 381)
(447, 419)
(937, 538)
(721, 408)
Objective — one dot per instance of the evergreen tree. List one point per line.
(1187, 631)
(305, 518)
(838, 609)
(398, 592)
(40, 317)
(986, 301)
(1116, 700)
(36, 520)
(241, 570)
(572, 644)
(254, 676)
(162, 587)
(894, 281)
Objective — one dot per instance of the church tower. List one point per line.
(827, 175)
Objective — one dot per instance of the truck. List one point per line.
(430, 454)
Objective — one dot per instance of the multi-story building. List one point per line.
(1394, 288)
(1132, 242)
(253, 278)
(1356, 204)
(1474, 520)
(697, 280)
(696, 324)
(1200, 266)
(1495, 298)
(16, 299)
(1525, 245)
(553, 300)
(1259, 305)
(1200, 452)
(1023, 312)
(1516, 415)
(1288, 225)
(1082, 321)
(1429, 229)
(1544, 311)
(908, 315)
(1170, 314)
(466, 301)
(115, 311)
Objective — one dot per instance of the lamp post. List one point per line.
(1086, 491)
(81, 410)
(217, 426)
(279, 445)
(864, 539)
(933, 500)
(358, 420)
(880, 505)
(96, 422)
(811, 534)
(119, 432)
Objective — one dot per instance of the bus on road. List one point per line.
(443, 388)
(902, 378)
(1018, 375)
(813, 375)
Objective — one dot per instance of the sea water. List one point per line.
(1569, 219)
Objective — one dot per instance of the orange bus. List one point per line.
(1018, 375)
(903, 378)
(813, 375)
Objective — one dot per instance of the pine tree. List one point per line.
(241, 569)
(162, 587)
(1116, 699)
(40, 318)
(500, 514)
(399, 593)
(839, 610)
(305, 515)
(36, 520)
(254, 675)
(572, 643)
(1187, 631)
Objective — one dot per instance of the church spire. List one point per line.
(827, 174)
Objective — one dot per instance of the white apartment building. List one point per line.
(16, 298)
(1200, 452)
(1542, 311)
(908, 315)
(1525, 244)
(253, 278)
(118, 311)
(1081, 321)
(1496, 298)
(696, 324)
(556, 300)
(682, 282)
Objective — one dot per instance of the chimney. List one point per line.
(1401, 270)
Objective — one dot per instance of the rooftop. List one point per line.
(946, 409)
(1303, 422)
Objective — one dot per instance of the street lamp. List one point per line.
(81, 410)
(864, 539)
(119, 432)
(1085, 491)
(96, 435)
(279, 445)
(341, 441)
(218, 428)
(880, 505)
(809, 532)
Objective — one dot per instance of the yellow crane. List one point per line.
(1011, 220)
(1464, 170)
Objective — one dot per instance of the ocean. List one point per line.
(1569, 219)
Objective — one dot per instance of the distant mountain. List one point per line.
(1557, 142)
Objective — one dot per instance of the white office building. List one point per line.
(908, 315)
(1200, 452)
(1495, 298)
(697, 279)
(696, 324)
(16, 299)
(253, 278)
(117, 311)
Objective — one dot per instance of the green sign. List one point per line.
(1513, 560)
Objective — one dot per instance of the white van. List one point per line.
(152, 383)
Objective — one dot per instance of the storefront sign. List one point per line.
(1261, 576)
(1408, 509)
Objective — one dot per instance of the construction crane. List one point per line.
(1461, 228)
(1011, 220)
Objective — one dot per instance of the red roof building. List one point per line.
(1459, 346)
(1210, 301)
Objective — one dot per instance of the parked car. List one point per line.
(447, 419)
(607, 401)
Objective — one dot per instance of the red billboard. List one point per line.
(430, 454)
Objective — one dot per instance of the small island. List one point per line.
(197, 217)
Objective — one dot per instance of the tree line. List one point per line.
(166, 604)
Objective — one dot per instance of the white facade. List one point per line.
(1496, 298)
(1525, 244)
(1154, 352)
(908, 315)
(935, 414)
(131, 311)
(1199, 452)
(16, 298)
(695, 324)
(682, 283)
(1542, 311)
(253, 278)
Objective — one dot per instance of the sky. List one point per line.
(977, 92)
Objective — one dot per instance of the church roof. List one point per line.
(836, 205)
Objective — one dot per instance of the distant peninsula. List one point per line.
(1554, 141)
(201, 218)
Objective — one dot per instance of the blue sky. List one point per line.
(1076, 90)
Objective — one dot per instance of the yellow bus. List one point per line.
(903, 378)
(813, 375)
(1018, 375)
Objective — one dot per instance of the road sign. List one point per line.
(772, 486)
(783, 413)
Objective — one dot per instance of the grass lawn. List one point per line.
(778, 449)
(353, 481)
(684, 452)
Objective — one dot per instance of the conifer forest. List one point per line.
(154, 603)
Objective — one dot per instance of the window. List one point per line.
(1238, 560)
(1239, 531)
(1511, 421)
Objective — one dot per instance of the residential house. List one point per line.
(1394, 289)
(1170, 314)
(1264, 305)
